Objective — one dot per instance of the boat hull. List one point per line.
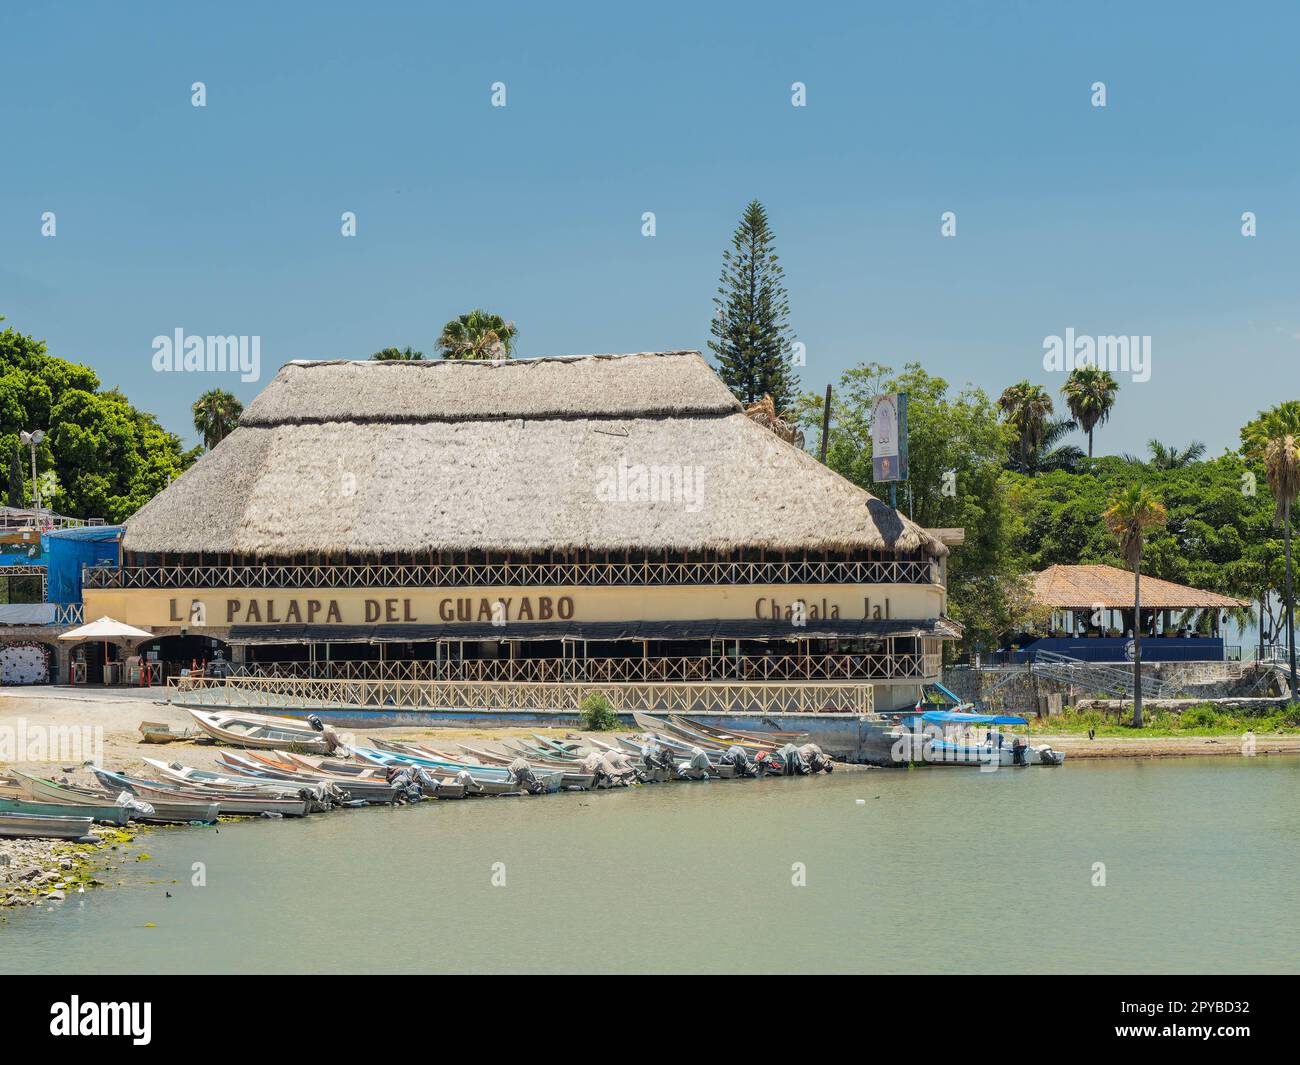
(35, 826)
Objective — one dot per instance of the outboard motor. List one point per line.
(737, 757)
(620, 767)
(816, 759)
(792, 761)
(316, 723)
(697, 766)
(656, 756)
(594, 764)
(522, 774)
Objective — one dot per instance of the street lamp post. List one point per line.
(33, 440)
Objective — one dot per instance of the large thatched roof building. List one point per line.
(374, 458)
(615, 519)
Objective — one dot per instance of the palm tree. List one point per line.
(406, 354)
(1169, 457)
(1026, 408)
(216, 413)
(1282, 462)
(1051, 455)
(1090, 395)
(1271, 438)
(478, 335)
(1129, 517)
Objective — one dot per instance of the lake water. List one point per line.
(939, 869)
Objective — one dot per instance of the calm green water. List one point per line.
(939, 870)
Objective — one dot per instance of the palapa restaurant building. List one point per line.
(521, 533)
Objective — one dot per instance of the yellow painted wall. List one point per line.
(430, 606)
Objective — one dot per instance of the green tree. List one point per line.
(107, 458)
(958, 447)
(15, 477)
(1028, 409)
(406, 354)
(1171, 456)
(1090, 395)
(216, 413)
(1273, 437)
(477, 335)
(752, 338)
(1130, 516)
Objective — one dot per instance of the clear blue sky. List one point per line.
(225, 220)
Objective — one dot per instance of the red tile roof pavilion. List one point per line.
(1084, 587)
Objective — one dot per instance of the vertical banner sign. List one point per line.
(889, 438)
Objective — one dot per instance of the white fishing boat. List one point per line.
(265, 732)
(40, 826)
(955, 737)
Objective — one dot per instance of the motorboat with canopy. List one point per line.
(959, 737)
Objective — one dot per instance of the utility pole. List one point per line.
(826, 423)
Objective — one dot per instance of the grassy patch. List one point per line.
(1203, 719)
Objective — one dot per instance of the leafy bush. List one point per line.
(598, 714)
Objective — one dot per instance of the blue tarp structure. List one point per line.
(950, 717)
(70, 549)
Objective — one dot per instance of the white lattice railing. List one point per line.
(265, 693)
(749, 668)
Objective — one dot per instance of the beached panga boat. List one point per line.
(261, 731)
(203, 780)
(443, 787)
(159, 811)
(39, 826)
(482, 779)
(103, 814)
(260, 766)
(250, 804)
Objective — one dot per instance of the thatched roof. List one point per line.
(1085, 587)
(373, 457)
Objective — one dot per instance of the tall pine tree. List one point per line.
(750, 328)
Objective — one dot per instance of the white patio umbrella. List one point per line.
(108, 631)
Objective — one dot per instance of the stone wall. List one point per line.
(1018, 690)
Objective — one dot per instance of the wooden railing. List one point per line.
(751, 668)
(506, 574)
(271, 694)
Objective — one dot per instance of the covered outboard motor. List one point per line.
(619, 766)
(594, 764)
(409, 784)
(522, 774)
(792, 761)
(466, 780)
(134, 803)
(737, 757)
(696, 767)
(816, 759)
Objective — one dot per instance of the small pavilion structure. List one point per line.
(1092, 617)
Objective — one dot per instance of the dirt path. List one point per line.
(1077, 745)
